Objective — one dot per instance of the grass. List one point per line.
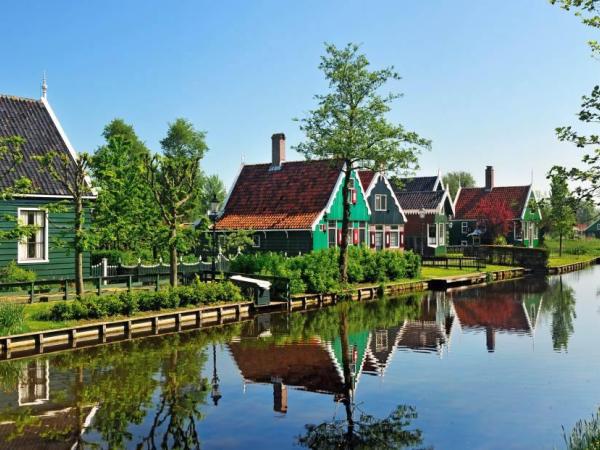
(579, 247)
(555, 261)
(438, 272)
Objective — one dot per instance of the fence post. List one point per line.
(32, 292)
(104, 268)
(99, 286)
(157, 282)
(129, 277)
(460, 263)
(66, 296)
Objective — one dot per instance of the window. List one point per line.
(33, 383)
(34, 248)
(464, 227)
(380, 202)
(534, 230)
(362, 232)
(352, 191)
(256, 241)
(518, 231)
(525, 231)
(598, 226)
(441, 234)
(432, 235)
(394, 236)
(381, 340)
(332, 233)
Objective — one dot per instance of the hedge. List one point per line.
(128, 303)
(318, 271)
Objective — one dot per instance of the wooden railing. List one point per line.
(450, 262)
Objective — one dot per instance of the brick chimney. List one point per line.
(277, 149)
(489, 178)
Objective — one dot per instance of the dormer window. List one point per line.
(380, 202)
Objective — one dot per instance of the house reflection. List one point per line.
(511, 307)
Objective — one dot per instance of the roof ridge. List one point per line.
(498, 187)
(287, 162)
(17, 97)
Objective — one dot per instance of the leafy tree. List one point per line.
(212, 186)
(452, 180)
(73, 176)
(588, 11)
(497, 218)
(349, 125)
(586, 212)
(175, 180)
(561, 206)
(125, 214)
(559, 303)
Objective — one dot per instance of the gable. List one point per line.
(335, 207)
(34, 121)
(394, 213)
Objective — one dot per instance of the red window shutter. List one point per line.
(355, 236)
(354, 196)
(339, 236)
(402, 239)
(387, 239)
(372, 239)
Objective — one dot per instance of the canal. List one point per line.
(497, 367)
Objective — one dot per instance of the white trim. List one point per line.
(65, 139)
(258, 230)
(242, 165)
(457, 196)
(447, 196)
(379, 198)
(439, 181)
(46, 255)
(331, 199)
(85, 197)
(530, 192)
(389, 186)
(355, 171)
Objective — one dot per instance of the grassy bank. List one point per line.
(574, 251)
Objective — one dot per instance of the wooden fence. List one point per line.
(453, 262)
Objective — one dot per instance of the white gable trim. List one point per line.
(389, 186)
(231, 189)
(529, 194)
(336, 187)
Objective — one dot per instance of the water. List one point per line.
(498, 367)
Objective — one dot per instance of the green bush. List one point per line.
(12, 318)
(318, 271)
(94, 307)
(12, 273)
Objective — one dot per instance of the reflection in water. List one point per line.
(306, 367)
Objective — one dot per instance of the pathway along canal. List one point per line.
(502, 366)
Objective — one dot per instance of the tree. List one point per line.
(175, 180)
(561, 206)
(452, 180)
(586, 212)
(125, 214)
(73, 176)
(212, 186)
(349, 126)
(587, 177)
(497, 218)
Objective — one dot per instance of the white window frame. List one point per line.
(21, 259)
(351, 190)
(441, 234)
(380, 202)
(432, 242)
(464, 227)
(394, 230)
(598, 226)
(332, 225)
(256, 241)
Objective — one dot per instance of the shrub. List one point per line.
(12, 273)
(12, 318)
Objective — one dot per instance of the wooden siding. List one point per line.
(593, 231)
(61, 260)
(392, 216)
(290, 242)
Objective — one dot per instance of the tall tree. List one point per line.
(586, 212)
(452, 180)
(175, 180)
(561, 206)
(125, 214)
(212, 186)
(350, 126)
(497, 219)
(588, 176)
(73, 175)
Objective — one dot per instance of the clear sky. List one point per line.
(487, 81)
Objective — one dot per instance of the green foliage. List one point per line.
(585, 435)
(12, 273)
(318, 271)
(561, 206)
(12, 318)
(452, 180)
(128, 303)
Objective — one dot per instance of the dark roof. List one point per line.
(417, 200)
(422, 336)
(291, 197)
(415, 184)
(471, 200)
(31, 120)
(366, 177)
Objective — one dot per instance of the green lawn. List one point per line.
(555, 261)
(438, 272)
(579, 247)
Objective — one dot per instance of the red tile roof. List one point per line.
(366, 176)
(502, 312)
(289, 198)
(471, 200)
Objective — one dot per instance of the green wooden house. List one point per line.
(48, 251)
(593, 230)
(471, 204)
(294, 206)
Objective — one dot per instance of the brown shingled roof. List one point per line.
(31, 120)
(291, 197)
(366, 177)
(470, 200)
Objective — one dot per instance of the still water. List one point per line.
(498, 367)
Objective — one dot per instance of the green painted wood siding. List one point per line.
(61, 260)
(593, 231)
(359, 212)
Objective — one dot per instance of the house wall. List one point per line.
(292, 242)
(61, 257)
(415, 232)
(593, 231)
(392, 216)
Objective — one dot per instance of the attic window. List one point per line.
(352, 191)
(380, 202)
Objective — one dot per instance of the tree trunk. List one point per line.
(343, 261)
(173, 256)
(348, 381)
(560, 243)
(79, 288)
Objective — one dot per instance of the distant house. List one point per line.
(386, 227)
(579, 229)
(428, 208)
(294, 206)
(48, 252)
(593, 229)
(472, 204)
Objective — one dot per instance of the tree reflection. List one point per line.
(359, 430)
(559, 303)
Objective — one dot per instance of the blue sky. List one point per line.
(487, 81)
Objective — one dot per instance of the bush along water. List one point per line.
(128, 303)
(12, 318)
(318, 271)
